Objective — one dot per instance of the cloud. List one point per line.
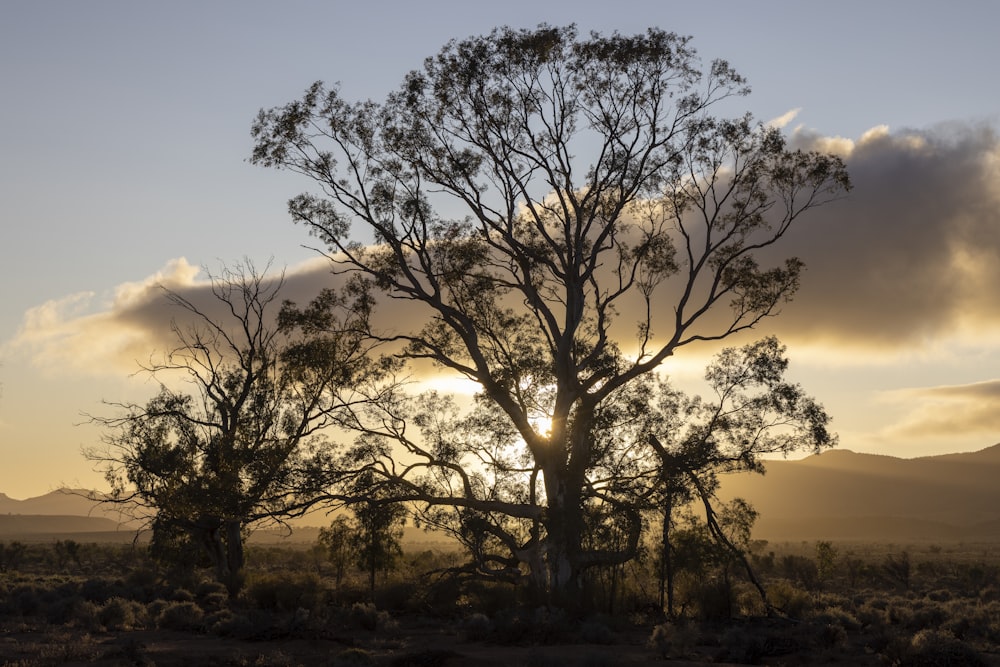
(948, 410)
(911, 256)
(81, 333)
(908, 261)
(784, 119)
(115, 336)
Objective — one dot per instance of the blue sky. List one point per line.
(124, 137)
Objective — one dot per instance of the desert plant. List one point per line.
(180, 616)
(935, 648)
(285, 592)
(897, 569)
(121, 614)
(790, 600)
(364, 615)
(673, 640)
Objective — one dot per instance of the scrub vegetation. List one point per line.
(838, 603)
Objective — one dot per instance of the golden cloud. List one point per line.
(909, 260)
(948, 410)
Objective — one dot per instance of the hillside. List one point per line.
(838, 495)
(841, 494)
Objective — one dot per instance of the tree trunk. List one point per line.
(235, 558)
(666, 560)
(564, 532)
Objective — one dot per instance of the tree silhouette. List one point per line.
(236, 449)
(525, 189)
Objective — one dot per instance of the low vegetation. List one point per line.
(832, 603)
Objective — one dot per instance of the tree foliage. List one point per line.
(227, 442)
(526, 189)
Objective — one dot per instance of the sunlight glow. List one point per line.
(542, 425)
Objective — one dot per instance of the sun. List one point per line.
(542, 425)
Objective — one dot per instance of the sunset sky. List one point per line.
(124, 138)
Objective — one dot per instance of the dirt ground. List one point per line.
(412, 647)
(176, 649)
(412, 644)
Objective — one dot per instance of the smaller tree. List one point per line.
(377, 540)
(241, 448)
(756, 413)
(335, 541)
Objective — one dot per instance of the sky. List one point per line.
(124, 145)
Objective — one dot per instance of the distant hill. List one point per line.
(836, 495)
(35, 524)
(64, 502)
(844, 495)
(62, 513)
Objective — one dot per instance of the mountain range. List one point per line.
(836, 495)
(844, 495)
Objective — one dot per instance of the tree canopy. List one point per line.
(229, 440)
(568, 214)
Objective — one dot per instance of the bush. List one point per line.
(934, 648)
(286, 593)
(713, 600)
(60, 611)
(27, 600)
(101, 589)
(121, 614)
(364, 615)
(253, 623)
(180, 616)
(790, 600)
(672, 640)
(86, 615)
(398, 596)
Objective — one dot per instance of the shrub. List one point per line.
(672, 640)
(397, 596)
(101, 589)
(121, 614)
(182, 595)
(713, 600)
(253, 623)
(286, 593)
(27, 600)
(940, 595)
(802, 570)
(180, 616)
(86, 615)
(790, 600)
(934, 648)
(60, 611)
(364, 615)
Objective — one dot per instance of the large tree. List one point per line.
(569, 214)
(230, 439)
